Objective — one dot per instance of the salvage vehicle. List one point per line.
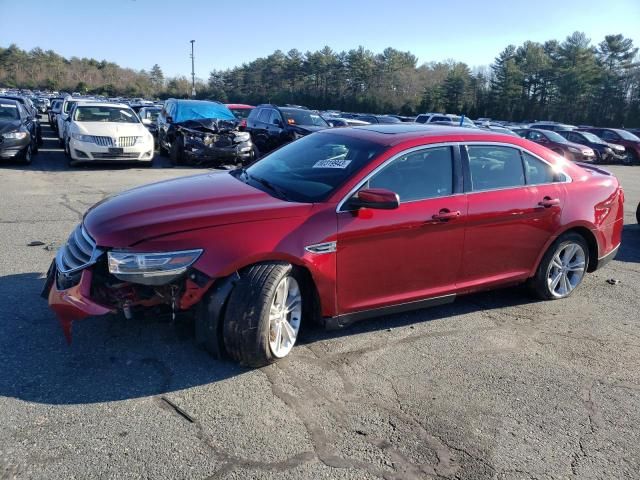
(557, 143)
(271, 126)
(17, 132)
(628, 140)
(604, 152)
(200, 132)
(98, 131)
(338, 226)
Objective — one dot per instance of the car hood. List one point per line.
(7, 126)
(110, 129)
(182, 204)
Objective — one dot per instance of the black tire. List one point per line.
(27, 156)
(246, 321)
(539, 283)
(67, 150)
(255, 153)
(176, 154)
(638, 213)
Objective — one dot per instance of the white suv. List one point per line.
(107, 131)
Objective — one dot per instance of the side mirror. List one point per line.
(146, 121)
(169, 119)
(277, 122)
(377, 198)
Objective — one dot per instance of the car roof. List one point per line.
(104, 104)
(397, 133)
(9, 100)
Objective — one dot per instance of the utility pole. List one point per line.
(193, 73)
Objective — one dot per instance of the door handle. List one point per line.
(445, 214)
(548, 202)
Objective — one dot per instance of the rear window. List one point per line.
(241, 112)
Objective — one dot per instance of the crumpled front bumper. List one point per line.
(210, 153)
(73, 303)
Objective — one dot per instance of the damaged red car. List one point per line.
(339, 226)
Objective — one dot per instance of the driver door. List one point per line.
(388, 257)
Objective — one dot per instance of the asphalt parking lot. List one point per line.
(493, 386)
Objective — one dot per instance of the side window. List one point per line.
(534, 136)
(264, 115)
(275, 116)
(418, 175)
(494, 167)
(536, 171)
(22, 111)
(608, 135)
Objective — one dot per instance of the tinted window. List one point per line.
(422, 119)
(536, 171)
(264, 115)
(495, 167)
(274, 117)
(9, 111)
(418, 175)
(440, 118)
(609, 135)
(367, 118)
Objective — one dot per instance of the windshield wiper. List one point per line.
(280, 193)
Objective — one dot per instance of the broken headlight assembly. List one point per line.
(150, 268)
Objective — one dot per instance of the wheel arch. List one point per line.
(589, 237)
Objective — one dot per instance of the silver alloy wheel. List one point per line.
(566, 269)
(284, 317)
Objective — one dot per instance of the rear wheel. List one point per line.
(264, 314)
(630, 158)
(638, 213)
(562, 268)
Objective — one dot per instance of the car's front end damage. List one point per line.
(89, 280)
(214, 141)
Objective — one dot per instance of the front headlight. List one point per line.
(15, 135)
(242, 137)
(82, 138)
(151, 268)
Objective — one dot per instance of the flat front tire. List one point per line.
(263, 314)
(176, 153)
(562, 268)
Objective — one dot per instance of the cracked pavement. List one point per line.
(494, 386)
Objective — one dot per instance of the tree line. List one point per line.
(573, 81)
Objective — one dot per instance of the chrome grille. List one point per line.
(127, 141)
(102, 141)
(125, 155)
(79, 252)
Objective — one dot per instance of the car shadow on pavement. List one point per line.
(109, 359)
(630, 249)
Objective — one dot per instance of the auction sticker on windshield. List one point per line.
(335, 162)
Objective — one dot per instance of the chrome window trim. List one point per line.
(387, 162)
(567, 177)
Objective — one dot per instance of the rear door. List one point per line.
(515, 205)
(388, 257)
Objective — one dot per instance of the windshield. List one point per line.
(554, 137)
(197, 110)
(56, 105)
(627, 135)
(151, 113)
(295, 116)
(592, 138)
(311, 168)
(8, 111)
(241, 112)
(105, 114)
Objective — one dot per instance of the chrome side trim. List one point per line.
(322, 248)
(359, 185)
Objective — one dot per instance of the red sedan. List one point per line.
(339, 226)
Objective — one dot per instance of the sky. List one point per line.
(140, 33)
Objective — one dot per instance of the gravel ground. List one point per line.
(492, 386)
